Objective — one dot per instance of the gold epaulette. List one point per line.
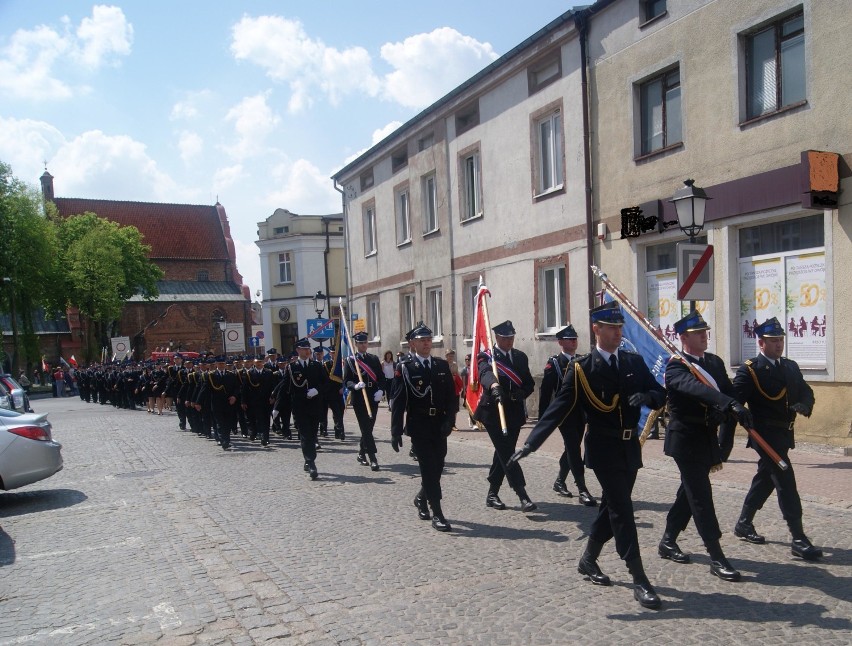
(748, 362)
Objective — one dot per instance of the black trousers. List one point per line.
(571, 458)
(769, 476)
(694, 499)
(181, 411)
(615, 515)
(431, 450)
(307, 421)
(257, 415)
(225, 417)
(366, 422)
(504, 447)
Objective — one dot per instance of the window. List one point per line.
(467, 118)
(549, 157)
(472, 187)
(430, 203)
(407, 309)
(659, 101)
(373, 319)
(369, 216)
(426, 141)
(399, 160)
(553, 302)
(277, 231)
(436, 311)
(661, 289)
(782, 273)
(775, 66)
(544, 72)
(652, 9)
(469, 289)
(203, 276)
(285, 268)
(367, 180)
(403, 217)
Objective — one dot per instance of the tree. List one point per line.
(104, 265)
(28, 262)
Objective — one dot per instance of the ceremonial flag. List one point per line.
(73, 361)
(63, 362)
(481, 342)
(44, 366)
(341, 350)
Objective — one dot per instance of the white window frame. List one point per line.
(408, 308)
(472, 186)
(403, 216)
(435, 298)
(555, 297)
(285, 268)
(429, 185)
(373, 313)
(369, 230)
(549, 137)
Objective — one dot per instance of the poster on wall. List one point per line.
(805, 320)
(761, 297)
(664, 309)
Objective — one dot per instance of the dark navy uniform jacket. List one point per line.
(424, 402)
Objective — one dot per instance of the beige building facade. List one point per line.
(300, 255)
(751, 100)
(566, 151)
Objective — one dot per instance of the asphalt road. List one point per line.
(154, 535)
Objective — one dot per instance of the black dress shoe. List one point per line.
(422, 508)
(591, 570)
(561, 488)
(646, 596)
(362, 459)
(307, 466)
(374, 464)
(668, 549)
(528, 505)
(312, 471)
(493, 501)
(747, 532)
(588, 499)
(724, 570)
(264, 442)
(412, 455)
(803, 548)
(440, 523)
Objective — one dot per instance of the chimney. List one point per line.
(47, 186)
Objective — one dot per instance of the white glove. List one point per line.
(359, 385)
(312, 392)
(274, 414)
(378, 396)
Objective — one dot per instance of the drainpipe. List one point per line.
(450, 225)
(347, 266)
(325, 253)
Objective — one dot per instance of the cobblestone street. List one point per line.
(152, 534)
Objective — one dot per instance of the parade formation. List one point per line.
(594, 399)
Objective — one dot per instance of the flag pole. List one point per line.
(653, 329)
(500, 410)
(354, 354)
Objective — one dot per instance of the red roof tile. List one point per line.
(174, 231)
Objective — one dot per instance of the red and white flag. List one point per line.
(72, 361)
(44, 366)
(481, 343)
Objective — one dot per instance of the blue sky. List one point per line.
(257, 103)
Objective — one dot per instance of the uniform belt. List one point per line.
(427, 412)
(623, 434)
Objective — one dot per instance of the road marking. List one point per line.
(130, 541)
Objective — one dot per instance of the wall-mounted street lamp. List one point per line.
(690, 202)
(319, 306)
(223, 325)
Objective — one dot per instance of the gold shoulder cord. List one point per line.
(215, 387)
(593, 400)
(763, 392)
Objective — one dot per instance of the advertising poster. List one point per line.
(664, 309)
(761, 297)
(805, 320)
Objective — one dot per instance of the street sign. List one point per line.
(320, 328)
(694, 272)
(254, 342)
(359, 325)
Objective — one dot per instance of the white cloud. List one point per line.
(304, 189)
(253, 121)
(190, 145)
(427, 66)
(188, 108)
(378, 135)
(33, 62)
(225, 177)
(106, 33)
(282, 48)
(25, 144)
